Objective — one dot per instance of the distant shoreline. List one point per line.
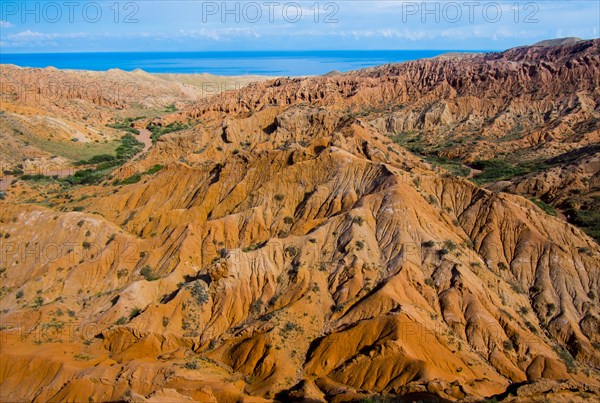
(271, 64)
(135, 71)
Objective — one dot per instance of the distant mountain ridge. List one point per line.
(558, 41)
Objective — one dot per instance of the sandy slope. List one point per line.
(290, 250)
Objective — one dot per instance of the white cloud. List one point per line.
(389, 33)
(380, 25)
(30, 38)
(487, 32)
(219, 34)
(410, 34)
(32, 35)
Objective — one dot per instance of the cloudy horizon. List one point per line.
(141, 26)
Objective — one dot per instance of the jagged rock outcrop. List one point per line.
(289, 250)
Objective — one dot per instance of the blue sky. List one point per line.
(171, 25)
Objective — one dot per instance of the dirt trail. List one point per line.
(472, 171)
(144, 137)
(5, 182)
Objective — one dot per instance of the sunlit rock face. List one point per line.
(290, 242)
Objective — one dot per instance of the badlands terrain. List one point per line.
(419, 231)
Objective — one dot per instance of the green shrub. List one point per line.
(496, 170)
(39, 301)
(15, 171)
(148, 274)
(84, 177)
(129, 147)
(450, 245)
(291, 326)
(124, 125)
(36, 178)
(199, 292)
(584, 251)
(358, 221)
(548, 209)
(516, 287)
(159, 131)
(566, 357)
(256, 306)
(252, 247)
(588, 221)
(134, 313)
(531, 327)
(456, 168)
(96, 159)
(154, 169)
(103, 166)
(412, 144)
(291, 251)
(135, 178)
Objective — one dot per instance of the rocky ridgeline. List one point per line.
(290, 250)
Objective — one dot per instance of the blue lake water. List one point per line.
(273, 63)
